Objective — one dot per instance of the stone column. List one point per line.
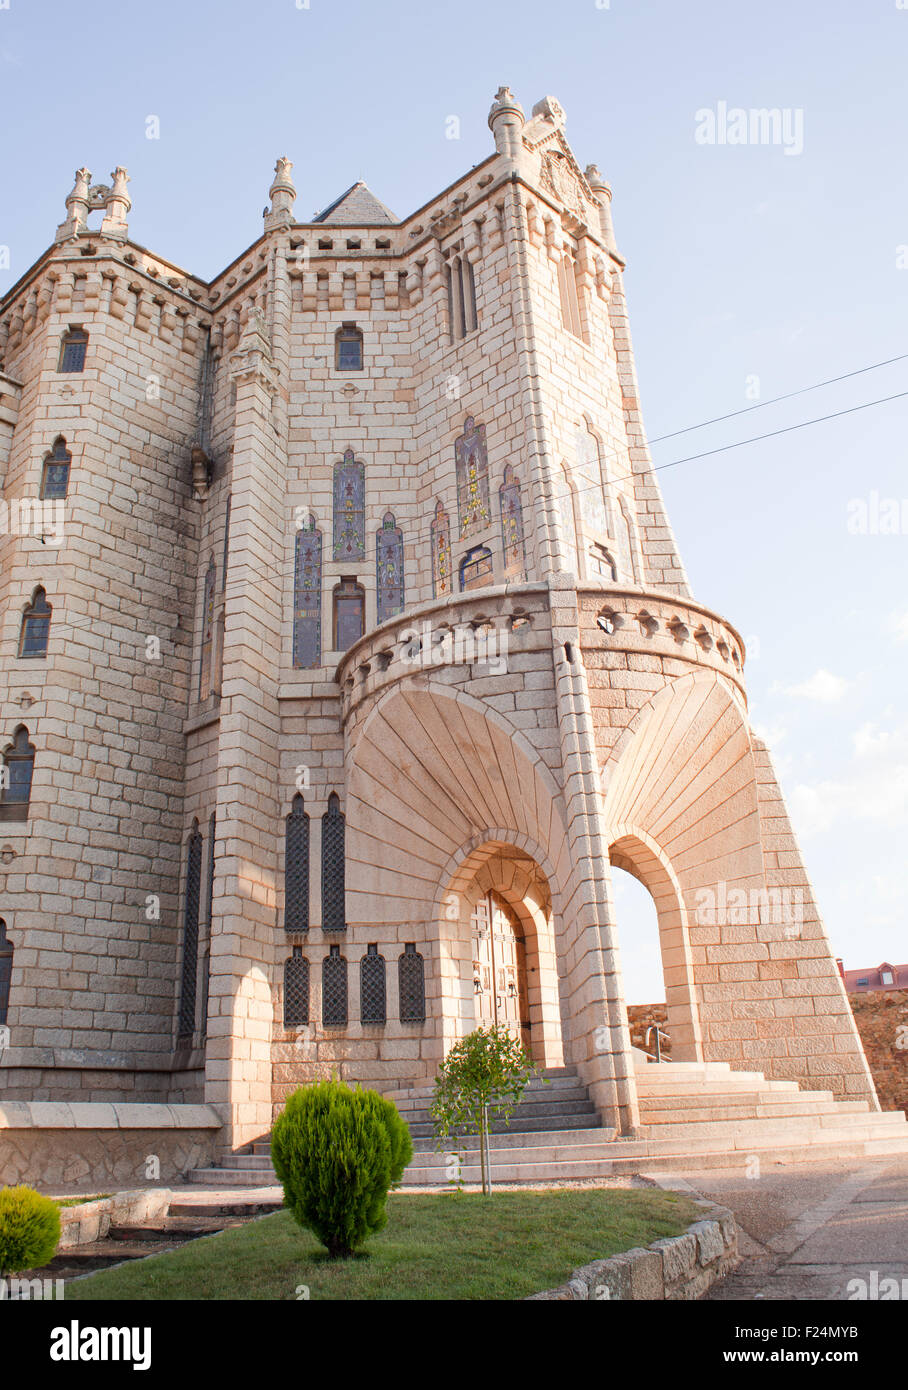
(600, 1045)
(238, 1066)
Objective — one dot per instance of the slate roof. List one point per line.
(358, 207)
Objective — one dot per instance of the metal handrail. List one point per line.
(654, 1028)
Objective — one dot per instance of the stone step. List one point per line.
(755, 1107)
(677, 1162)
(572, 1139)
(534, 1124)
(668, 1081)
(693, 1142)
(557, 1076)
(567, 1155)
(563, 1088)
(579, 1104)
(757, 1095)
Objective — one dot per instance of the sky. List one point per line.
(753, 270)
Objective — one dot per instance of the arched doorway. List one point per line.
(497, 941)
(500, 993)
(638, 855)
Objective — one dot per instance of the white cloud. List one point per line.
(898, 626)
(822, 686)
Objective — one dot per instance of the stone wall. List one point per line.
(882, 1020)
(678, 1268)
(63, 1148)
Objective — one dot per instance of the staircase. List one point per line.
(693, 1115)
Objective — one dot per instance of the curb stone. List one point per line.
(677, 1267)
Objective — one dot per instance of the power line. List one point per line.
(786, 430)
(789, 395)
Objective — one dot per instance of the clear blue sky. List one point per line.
(742, 261)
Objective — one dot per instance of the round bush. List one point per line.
(29, 1230)
(337, 1152)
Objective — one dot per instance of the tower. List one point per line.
(370, 652)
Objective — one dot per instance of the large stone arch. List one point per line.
(432, 773)
(429, 771)
(688, 789)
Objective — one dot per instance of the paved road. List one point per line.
(808, 1232)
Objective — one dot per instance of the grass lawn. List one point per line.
(435, 1246)
(80, 1201)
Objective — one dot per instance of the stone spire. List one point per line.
(76, 207)
(603, 195)
(506, 121)
(116, 206)
(282, 194)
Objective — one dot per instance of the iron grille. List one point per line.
(333, 904)
(190, 935)
(334, 989)
(372, 1003)
(411, 979)
(209, 899)
(296, 990)
(6, 970)
(296, 869)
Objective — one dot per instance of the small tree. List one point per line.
(337, 1152)
(29, 1230)
(483, 1077)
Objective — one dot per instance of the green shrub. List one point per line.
(337, 1152)
(29, 1230)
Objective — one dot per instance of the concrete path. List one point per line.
(809, 1231)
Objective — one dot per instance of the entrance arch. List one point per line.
(637, 854)
(497, 939)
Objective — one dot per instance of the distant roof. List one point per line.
(358, 207)
(857, 981)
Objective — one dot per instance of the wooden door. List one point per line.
(499, 968)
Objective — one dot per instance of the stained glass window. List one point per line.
(441, 553)
(565, 501)
(476, 568)
(348, 349)
(307, 597)
(35, 626)
(55, 475)
(296, 868)
(472, 464)
(590, 482)
(349, 509)
(334, 910)
(189, 971)
(72, 351)
(207, 631)
(16, 778)
(389, 562)
(349, 614)
(511, 525)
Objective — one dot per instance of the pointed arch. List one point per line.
(34, 631)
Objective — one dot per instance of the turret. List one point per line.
(282, 194)
(506, 122)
